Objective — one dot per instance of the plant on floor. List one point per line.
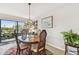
(71, 38)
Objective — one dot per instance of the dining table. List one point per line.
(31, 42)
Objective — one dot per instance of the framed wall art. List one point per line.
(47, 22)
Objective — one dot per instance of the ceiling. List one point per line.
(21, 9)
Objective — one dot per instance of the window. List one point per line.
(20, 27)
(7, 28)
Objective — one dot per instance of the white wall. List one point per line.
(65, 17)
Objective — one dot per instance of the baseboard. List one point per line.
(54, 49)
(55, 46)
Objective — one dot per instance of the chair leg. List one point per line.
(29, 48)
(45, 52)
(66, 49)
(30, 52)
(22, 51)
(26, 51)
(17, 52)
(42, 52)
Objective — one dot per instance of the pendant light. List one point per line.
(29, 10)
(29, 21)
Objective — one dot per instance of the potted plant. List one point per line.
(71, 38)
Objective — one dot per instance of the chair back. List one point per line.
(42, 43)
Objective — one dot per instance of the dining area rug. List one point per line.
(12, 51)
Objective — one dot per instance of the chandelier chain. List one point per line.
(29, 10)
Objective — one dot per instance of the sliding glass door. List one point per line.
(7, 28)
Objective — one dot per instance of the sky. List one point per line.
(9, 24)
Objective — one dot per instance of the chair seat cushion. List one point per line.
(24, 47)
(35, 50)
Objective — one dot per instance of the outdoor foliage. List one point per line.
(7, 33)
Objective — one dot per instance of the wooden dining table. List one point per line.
(31, 42)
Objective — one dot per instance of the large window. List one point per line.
(7, 28)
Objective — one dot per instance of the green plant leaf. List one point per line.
(70, 37)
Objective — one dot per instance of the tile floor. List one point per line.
(5, 47)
